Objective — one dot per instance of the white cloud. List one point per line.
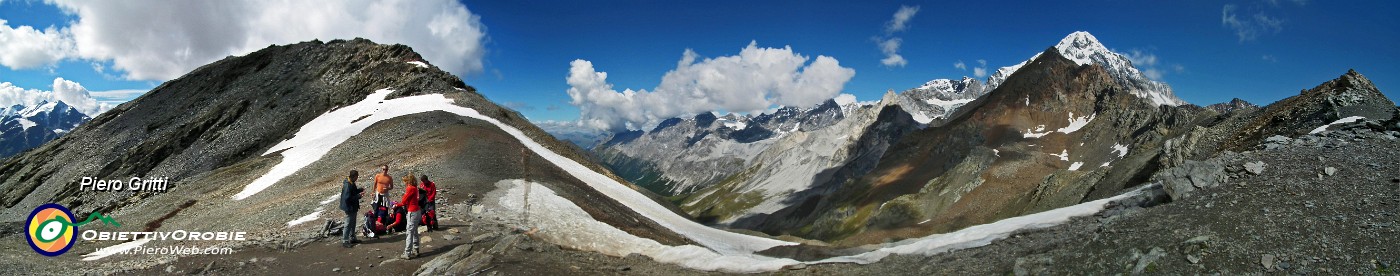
(888, 43)
(159, 40)
(1141, 59)
(1250, 27)
(78, 97)
(891, 48)
(960, 65)
(752, 81)
(980, 71)
(69, 92)
(24, 47)
(1153, 73)
(901, 19)
(11, 95)
(1269, 58)
(1148, 63)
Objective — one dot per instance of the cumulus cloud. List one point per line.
(25, 47)
(1249, 27)
(159, 40)
(888, 43)
(69, 92)
(981, 70)
(751, 81)
(960, 65)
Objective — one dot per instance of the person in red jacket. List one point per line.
(415, 214)
(429, 202)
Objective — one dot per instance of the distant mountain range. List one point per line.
(26, 127)
(1073, 123)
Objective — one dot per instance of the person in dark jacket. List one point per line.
(350, 203)
(429, 193)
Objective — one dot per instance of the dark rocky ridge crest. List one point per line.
(204, 120)
(1351, 94)
(1233, 105)
(227, 112)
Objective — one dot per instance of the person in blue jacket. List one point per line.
(350, 203)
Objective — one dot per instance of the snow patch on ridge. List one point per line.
(948, 105)
(1038, 132)
(1075, 166)
(736, 125)
(1342, 121)
(303, 219)
(1076, 123)
(1064, 155)
(420, 64)
(26, 123)
(1120, 149)
(921, 117)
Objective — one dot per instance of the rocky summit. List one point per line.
(216, 132)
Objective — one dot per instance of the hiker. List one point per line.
(429, 206)
(350, 203)
(410, 203)
(383, 183)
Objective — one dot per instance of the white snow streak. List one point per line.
(1076, 123)
(979, 235)
(420, 64)
(26, 123)
(1342, 121)
(1075, 166)
(1037, 133)
(1120, 149)
(303, 219)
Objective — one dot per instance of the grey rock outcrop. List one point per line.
(1190, 176)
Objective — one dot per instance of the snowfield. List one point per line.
(564, 223)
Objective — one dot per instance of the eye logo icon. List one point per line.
(50, 229)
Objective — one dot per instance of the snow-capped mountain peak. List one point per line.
(44, 107)
(1083, 48)
(24, 127)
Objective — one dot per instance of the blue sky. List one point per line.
(1271, 49)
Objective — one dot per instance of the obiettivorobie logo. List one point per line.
(51, 229)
